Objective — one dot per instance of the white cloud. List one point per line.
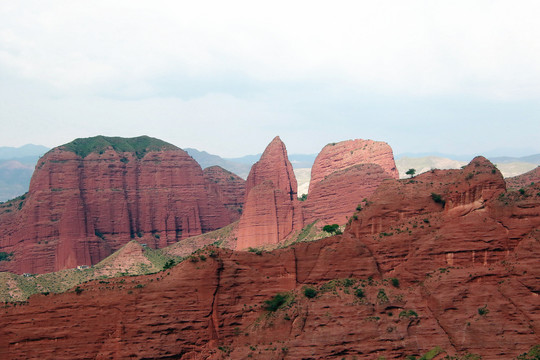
(482, 48)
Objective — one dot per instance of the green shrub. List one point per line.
(4, 256)
(533, 354)
(169, 264)
(359, 207)
(522, 191)
(432, 353)
(78, 290)
(438, 198)
(334, 228)
(359, 293)
(256, 251)
(395, 282)
(382, 297)
(303, 197)
(408, 314)
(310, 292)
(276, 302)
(483, 310)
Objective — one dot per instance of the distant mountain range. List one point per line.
(16, 168)
(17, 165)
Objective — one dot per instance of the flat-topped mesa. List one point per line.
(91, 196)
(339, 156)
(343, 175)
(271, 210)
(228, 188)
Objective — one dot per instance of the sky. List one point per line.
(456, 77)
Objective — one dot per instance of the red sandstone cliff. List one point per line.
(523, 180)
(271, 210)
(465, 264)
(339, 156)
(91, 196)
(343, 175)
(228, 188)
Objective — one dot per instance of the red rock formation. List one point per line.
(228, 188)
(524, 180)
(454, 290)
(335, 198)
(442, 218)
(84, 204)
(343, 175)
(339, 156)
(271, 211)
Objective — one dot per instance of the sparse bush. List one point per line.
(303, 197)
(411, 172)
(438, 198)
(359, 207)
(408, 314)
(78, 290)
(382, 297)
(334, 228)
(256, 251)
(310, 292)
(533, 354)
(4, 256)
(169, 264)
(359, 293)
(276, 302)
(482, 311)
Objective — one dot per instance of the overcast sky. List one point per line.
(459, 77)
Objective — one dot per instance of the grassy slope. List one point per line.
(97, 144)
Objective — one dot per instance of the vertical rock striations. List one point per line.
(343, 175)
(271, 210)
(228, 188)
(91, 196)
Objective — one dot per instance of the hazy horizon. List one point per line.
(454, 78)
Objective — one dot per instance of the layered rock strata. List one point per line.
(343, 175)
(271, 210)
(89, 197)
(446, 259)
(228, 188)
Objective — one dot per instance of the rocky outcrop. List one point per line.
(335, 198)
(90, 197)
(446, 259)
(339, 156)
(343, 175)
(229, 189)
(524, 180)
(442, 217)
(271, 210)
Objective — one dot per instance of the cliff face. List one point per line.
(339, 156)
(335, 198)
(343, 175)
(271, 210)
(229, 189)
(91, 196)
(411, 272)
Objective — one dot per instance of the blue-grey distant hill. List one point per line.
(25, 151)
(242, 165)
(16, 168)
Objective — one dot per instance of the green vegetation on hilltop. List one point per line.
(97, 144)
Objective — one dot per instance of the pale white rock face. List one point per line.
(427, 163)
(303, 175)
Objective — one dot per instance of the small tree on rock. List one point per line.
(411, 172)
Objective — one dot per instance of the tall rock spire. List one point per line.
(271, 210)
